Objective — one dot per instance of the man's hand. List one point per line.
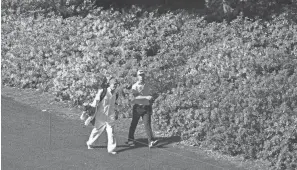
(149, 97)
(114, 117)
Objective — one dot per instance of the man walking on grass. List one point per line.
(142, 108)
(105, 116)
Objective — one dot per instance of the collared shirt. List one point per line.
(141, 89)
(105, 109)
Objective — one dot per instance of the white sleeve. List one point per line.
(134, 90)
(97, 98)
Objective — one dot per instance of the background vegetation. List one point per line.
(230, 85)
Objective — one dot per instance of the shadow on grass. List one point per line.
(105, 146)
(142, 142)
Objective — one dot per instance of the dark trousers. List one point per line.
(146, 117)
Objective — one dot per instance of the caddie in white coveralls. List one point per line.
(105, 116)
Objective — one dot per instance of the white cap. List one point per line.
(140, 72)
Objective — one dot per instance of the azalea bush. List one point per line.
(231, 87)
(238, 88)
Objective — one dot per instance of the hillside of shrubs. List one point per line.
(227, 86)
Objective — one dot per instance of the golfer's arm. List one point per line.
(138, 96)
(141, 97)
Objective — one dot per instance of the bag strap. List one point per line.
(117, 96)
(103, 94)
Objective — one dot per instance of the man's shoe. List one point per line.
(130, 143)
(114, 153)
(90, 147)
(153, 143)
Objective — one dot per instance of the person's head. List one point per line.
(113, 83)
(141, 75)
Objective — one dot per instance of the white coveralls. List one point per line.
(104, 117)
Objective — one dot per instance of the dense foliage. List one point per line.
(260, 8)
(228, 86)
